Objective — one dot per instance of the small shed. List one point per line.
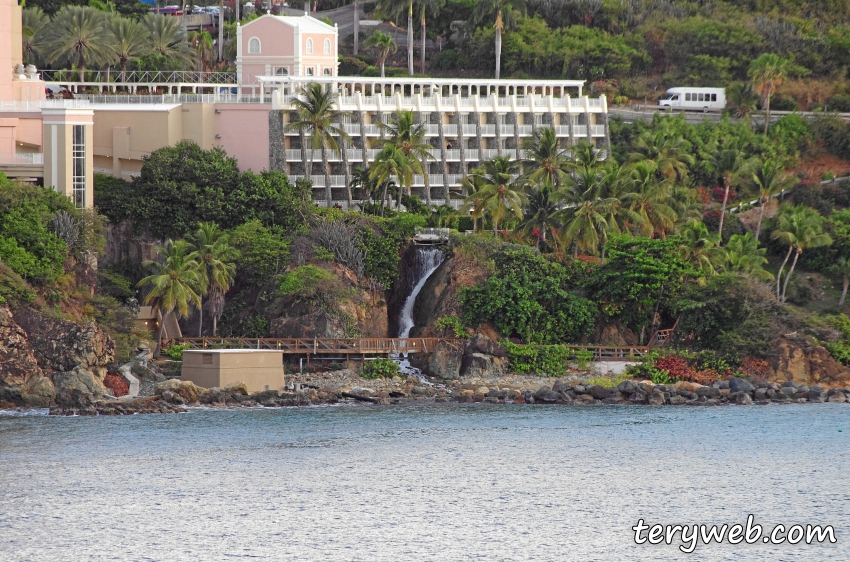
(259, 369)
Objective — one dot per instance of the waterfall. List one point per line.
(425, 262)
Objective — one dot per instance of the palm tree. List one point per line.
(391, 161)
(203, 47)
(540, 214)
(175, 285)
(216, 269)
(317, 118)
(409, 137)
(471, 185)
(129, 41)
(669, 153)
(432, 7)
(385, 45)
(742, 253)
(34, 21)
(498, 195)
(545, 161)
(742, 99)
(800, 227)
(393, 9)
(766, 74)
(769, 179)
(841, 267)
(649, 198)
(168, 40)
(586, 224)
(584, 156)
(700, 247)
(360, 180)
(76, 35)
(729, 164)
(503, 13)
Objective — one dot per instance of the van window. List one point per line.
(687, 97)
(674, 98)
(699, 97)
(713, 97)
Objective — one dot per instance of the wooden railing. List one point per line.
(318, 346)
(613, 353)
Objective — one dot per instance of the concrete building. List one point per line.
(259, 369)
(285, 46)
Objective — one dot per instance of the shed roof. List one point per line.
(305, 23)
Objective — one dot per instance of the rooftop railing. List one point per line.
(140, 77)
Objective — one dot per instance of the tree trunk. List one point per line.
(722, 208)
(790, 271)
(308, 166)
(781, 267)
(356, 27)
(328, 194)
(183, 17)
(761, 215)
(844, 290)
(498, 48)
(220, 30)
(410, 39)
(495, 229)
(443, 156)
(384, 195)
(383, 60)
(344, 153)
(767, 113)
(158, 348)
(201, 319)
(215, 325)
(422, 53)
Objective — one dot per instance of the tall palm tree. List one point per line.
(393, 9)
(76, 36)
(216, 269)
(586, 224)
(541, 212)
(471, 184)
(391, 161)
(175, 285)
(766, 74)
(432, 7)
(649, 198)
(202, 44)
(168, 40)
(317, 118)
(700, 247)
(729, 164)
(409, 137)
(800, 227)
(545, 160)
(34, 21)
(384, 44)
(668, 152)
(769, 179)
(841, 267)
(498, 194)
(503, 12)
(129, 41)
(743, 101)
(742, 253)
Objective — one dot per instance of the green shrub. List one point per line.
(450, 326)
(544, 360)
(379, 368)
(176, 351)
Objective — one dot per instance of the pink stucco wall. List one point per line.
(244, 130)
(276, 38)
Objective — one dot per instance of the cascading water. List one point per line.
(425, 262)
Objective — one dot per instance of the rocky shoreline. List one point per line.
(315, 389)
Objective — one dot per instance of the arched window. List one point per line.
(326, 72)
(327, 46)
(282, 71)
(309, 46)
(254, 46)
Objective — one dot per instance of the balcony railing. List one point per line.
(22, 159)
(140, 77)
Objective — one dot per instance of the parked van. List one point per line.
(694, 98)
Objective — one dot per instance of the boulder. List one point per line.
(445, 361)
(687, 385)
(708, 392)
(816, 394)
(237, 388)
(737, 384)
(601, 392)
(481, 365)
(22, 381)
(627, 387)
(479, 343)
(802, 362)
(677, 400)
(614, 334)
(743, 399)
(81, 380)
(656, 398)
(187, 390)
(638, 397)
(837, 397)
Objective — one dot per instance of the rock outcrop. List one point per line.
(42, 356)
(480, 356)
(804, 363)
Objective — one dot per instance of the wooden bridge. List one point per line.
(345, 348)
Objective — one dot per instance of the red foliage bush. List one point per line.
(676, 367)
(704, 377)
(755, 368)
(116, 384)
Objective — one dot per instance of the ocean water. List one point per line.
(419, 482)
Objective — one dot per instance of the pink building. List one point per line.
(285, 46)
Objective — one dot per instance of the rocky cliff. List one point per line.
(43, 357)
(804, 363)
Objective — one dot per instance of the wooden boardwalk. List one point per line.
(346, 347)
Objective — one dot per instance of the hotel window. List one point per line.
(78, 155)
(309, 49)
(326, 72)
(254, 46)
(327, 46)
(310, 71)
(281, 71)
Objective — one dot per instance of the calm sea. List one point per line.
(419, 482)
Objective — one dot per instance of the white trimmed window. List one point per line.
(281, 71)
(254, 46)
(310, 71)
(327, 46)
(326, 72)
(309, 49)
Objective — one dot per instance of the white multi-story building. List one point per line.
(466, 121)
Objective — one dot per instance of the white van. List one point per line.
(694, 98)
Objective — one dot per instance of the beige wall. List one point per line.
(258, 369)
(58, 134)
